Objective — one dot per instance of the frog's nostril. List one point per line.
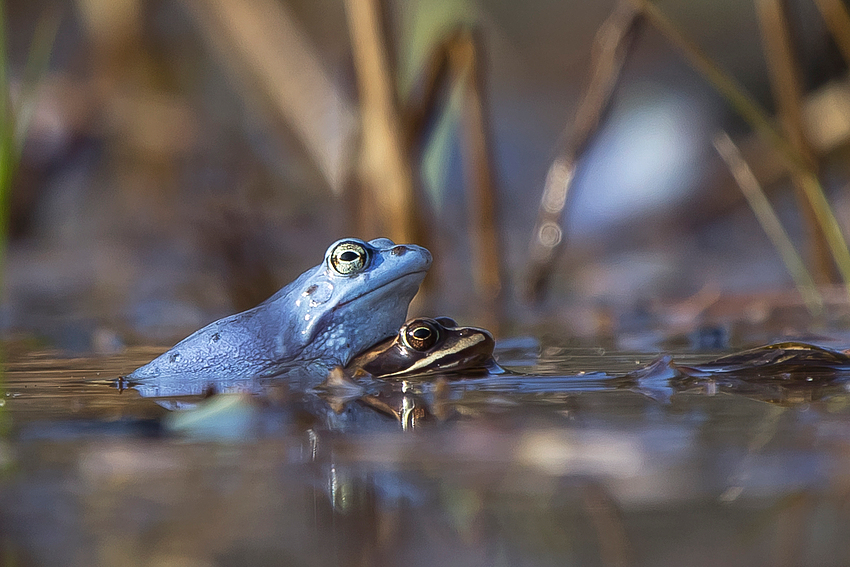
(399, 250)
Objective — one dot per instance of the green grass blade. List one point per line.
(7, 149)
(38, 60)
(14, 123)
(6, 130)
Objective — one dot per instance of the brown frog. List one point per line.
(425, 346)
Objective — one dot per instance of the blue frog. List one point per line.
(356, 297)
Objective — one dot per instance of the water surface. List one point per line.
(569, 464)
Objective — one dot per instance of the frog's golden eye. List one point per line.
(421, 335)
(349, 258)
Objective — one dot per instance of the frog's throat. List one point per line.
(419, 273)
(398, 291)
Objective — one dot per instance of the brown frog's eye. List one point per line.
(349, 258)
(421, 335)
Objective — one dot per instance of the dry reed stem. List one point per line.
(611, 45)
(457, 61)
(837, 19)
(769, 221)
(385, 168)
(420, 109)
(785, 81)
(7, 144)
(484, 235)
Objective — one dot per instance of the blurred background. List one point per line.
(180, 160)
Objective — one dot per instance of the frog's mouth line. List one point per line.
(382, 286)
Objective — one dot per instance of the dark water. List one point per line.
(569, 465)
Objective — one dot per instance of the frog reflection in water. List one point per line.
(423, 348)
(356, 297)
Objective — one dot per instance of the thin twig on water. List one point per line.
(610, 48)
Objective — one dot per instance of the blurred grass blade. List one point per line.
(826, 218)
(477, 149)
(759, 120)
(385, 166)
(611, 46)
(38, 61)
(724, 84)
(837, 19)
(14, 124)
(6, 122)
(428, 33)
(778, 46)
(273, 61)
(769, 222)
(6, 132)
(15, 121)
(452, 94)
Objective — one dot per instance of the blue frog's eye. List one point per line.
(420, 335)
(349, 258)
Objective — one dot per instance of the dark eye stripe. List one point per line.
(435, 357)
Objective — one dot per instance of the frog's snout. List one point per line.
(402, 249)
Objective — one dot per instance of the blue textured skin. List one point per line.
(322, 318)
